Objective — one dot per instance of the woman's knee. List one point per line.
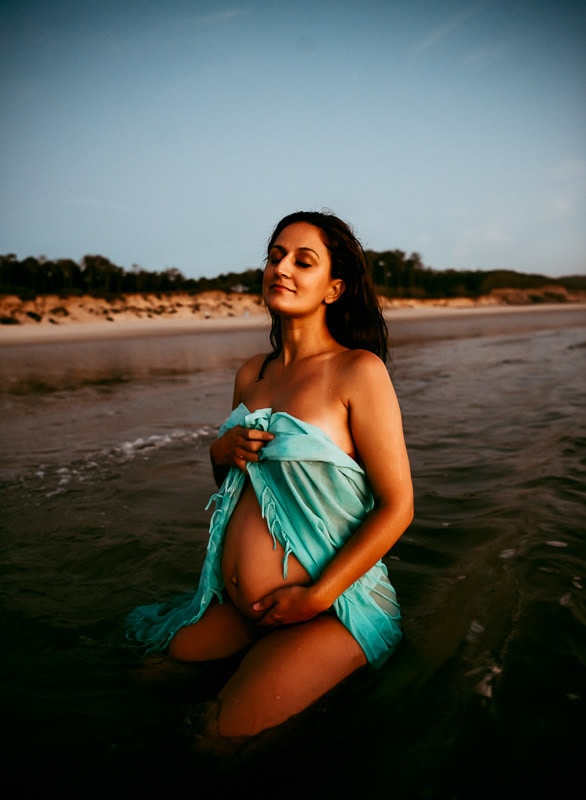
(221, 632)
(184, 644)
(284, 673)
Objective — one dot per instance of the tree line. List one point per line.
(397, 274)
(394, 272)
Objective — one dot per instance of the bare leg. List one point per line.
(285, 672)
(222, 631)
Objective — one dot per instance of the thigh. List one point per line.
(285, 672)
(222, 631)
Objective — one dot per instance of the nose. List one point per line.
(284, 266)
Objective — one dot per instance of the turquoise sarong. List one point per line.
(313, 496)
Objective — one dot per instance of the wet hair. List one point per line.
(355, 319)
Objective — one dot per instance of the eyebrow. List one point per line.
(283, 249)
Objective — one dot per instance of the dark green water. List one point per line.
(104, 478)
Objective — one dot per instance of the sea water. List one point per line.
(104, 479)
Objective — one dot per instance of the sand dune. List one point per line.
(54, 310)
(50, 317)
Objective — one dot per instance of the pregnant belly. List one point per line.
(251, 565)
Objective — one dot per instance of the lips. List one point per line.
(279, 287)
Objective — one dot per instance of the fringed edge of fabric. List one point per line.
(268, 510)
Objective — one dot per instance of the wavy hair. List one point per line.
(355, 319)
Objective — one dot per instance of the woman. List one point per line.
(315, 488)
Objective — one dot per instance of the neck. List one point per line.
(303, 339)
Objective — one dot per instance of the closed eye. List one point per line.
(276, 259)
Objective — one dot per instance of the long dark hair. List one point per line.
(355, 319)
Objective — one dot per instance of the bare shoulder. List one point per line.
(254, 363)
(362, 366)
(365, 383)
(248, 372)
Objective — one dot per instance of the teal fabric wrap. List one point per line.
(312, 496)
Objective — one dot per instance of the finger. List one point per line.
(259, 436)
(256, 448)
(269, 622)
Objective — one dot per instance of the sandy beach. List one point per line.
(53, 319)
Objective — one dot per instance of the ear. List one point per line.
(335, 291)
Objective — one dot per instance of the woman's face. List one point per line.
(297, 278)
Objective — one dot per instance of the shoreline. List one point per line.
(127, 328)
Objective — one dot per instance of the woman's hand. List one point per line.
(294, 603)
(239, 446)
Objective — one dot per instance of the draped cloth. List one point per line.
(312, 496)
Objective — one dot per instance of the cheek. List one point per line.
(267, 277)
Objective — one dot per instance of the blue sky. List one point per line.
(177, 133)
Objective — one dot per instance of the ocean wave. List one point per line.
(54, 479)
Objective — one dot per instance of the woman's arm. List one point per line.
(237, 446)
(377, 430)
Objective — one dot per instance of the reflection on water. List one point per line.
(70, 365)
(53, 366)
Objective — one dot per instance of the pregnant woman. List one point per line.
(314, 489)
